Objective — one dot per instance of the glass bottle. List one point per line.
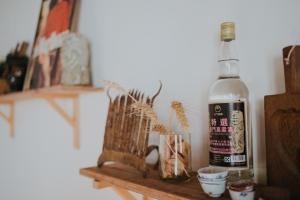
(229, 114)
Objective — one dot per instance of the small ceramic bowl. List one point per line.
(236, 195)
(242, 190)
(213, 188)
(212, 173)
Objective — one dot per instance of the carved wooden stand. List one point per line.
(126, 134)
(126, 138)
(282, 119)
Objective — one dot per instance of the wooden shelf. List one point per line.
(56, 91)
(51, 95)
(127, 178)
(122, 179)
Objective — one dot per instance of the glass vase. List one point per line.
(175, 157)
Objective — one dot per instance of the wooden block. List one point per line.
(274, 193)
(282, 120)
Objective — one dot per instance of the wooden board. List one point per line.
(125, 177)
(282, 120)
(282, 116)
(130, 179)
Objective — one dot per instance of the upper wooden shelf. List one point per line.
(58, 91)
(130, 179)
(50, 94)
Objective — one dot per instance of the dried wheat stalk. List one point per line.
(180, 113)
(159, 128)
(117, 87)
(148, 111)
(114, 85)
(144, 109)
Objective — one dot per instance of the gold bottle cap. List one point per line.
(227, 31)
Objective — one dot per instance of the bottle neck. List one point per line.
(228, 60)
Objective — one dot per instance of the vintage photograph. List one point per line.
(54, 23)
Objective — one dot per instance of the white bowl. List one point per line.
(212, 173)
(242, 195)
(242, 190)
(213, 188)
(212, 179)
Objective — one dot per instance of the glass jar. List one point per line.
(175, 157)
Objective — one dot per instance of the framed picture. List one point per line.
(55, 21)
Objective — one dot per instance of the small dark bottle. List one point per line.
(16, 65)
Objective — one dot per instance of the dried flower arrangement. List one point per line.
(175, 149)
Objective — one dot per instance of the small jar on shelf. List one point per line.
(175, 157)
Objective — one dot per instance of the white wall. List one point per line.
(137, 43)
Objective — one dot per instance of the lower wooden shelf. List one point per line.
(127, 178)
(123, 179)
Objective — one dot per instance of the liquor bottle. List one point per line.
(229, 114)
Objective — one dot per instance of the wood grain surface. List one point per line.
(282, 120)
(130, 179)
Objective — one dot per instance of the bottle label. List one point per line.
(227, 134)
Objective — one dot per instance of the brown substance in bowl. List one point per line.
(242, 186)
